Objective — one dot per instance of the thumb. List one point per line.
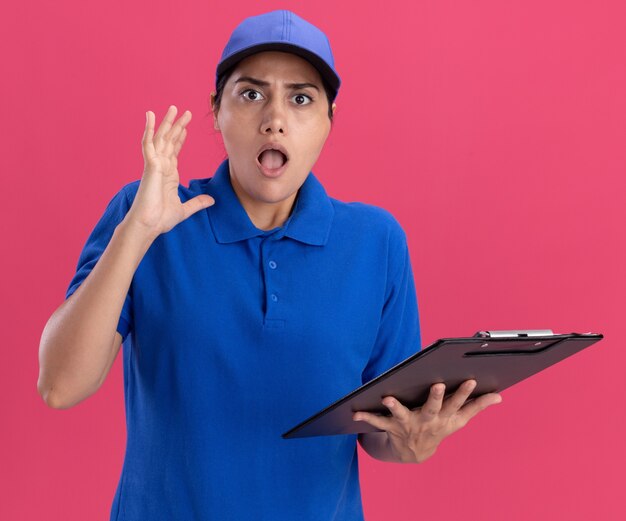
(196, 204)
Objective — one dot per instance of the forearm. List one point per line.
(75, 346)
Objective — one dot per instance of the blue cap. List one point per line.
(284, 31)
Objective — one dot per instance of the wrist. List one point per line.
(136, 232)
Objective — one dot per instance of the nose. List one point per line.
(274, 118)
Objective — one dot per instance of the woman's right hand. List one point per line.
(157, 206)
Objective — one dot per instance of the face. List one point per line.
(261, 103)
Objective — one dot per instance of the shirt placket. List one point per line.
(274, 317)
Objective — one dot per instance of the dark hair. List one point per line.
(221, 82)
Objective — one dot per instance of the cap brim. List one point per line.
(325, 71)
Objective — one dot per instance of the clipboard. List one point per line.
(495, 359)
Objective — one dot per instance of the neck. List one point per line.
(265, 216)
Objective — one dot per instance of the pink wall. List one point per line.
(494, 131)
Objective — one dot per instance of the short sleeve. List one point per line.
(398, 334)
(95, 246)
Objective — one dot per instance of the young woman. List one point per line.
(246, 302)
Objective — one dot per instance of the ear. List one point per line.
(334, 107)
(216, 125)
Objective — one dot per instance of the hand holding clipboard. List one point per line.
(473, 370)
(414, 435)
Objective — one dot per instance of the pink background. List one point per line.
(493, 130)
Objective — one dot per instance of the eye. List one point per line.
(301, 97)
(257, 94)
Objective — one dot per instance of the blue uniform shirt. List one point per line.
(233, 335)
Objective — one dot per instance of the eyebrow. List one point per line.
(262, 83)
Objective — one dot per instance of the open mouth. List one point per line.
(272, 159)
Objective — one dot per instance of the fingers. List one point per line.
(170, 136)
(173, 135)
(166, 124)
(383, 423)
(456, 401)
(433, 405)
(167, 143)
(148, 136)
(479, 404)
(196, 204)
(179, 142)
(398, 411)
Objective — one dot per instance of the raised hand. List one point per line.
(157, 206)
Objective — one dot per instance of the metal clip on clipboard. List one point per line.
(514, 333)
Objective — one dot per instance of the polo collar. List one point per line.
(309, 222)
